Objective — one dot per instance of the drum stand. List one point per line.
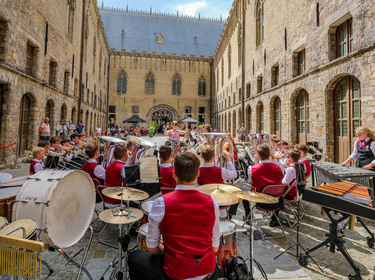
(251, 240)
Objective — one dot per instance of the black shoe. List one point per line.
(274, 223)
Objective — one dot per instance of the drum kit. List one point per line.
(226, 195)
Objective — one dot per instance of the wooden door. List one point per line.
(303, 118)
(347, 116)
(24, 124)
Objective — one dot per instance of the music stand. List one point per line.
(52, 162)
(301, 183)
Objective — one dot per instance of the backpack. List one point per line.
(237, 269)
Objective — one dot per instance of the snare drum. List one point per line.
(228, 245)
(7, 196)
(146, 208)
(3, 222)
(29, 225)
(61, 202)
(141, 238)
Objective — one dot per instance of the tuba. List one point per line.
(220, 142)
(257, 139)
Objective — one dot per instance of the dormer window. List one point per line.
(160, 38)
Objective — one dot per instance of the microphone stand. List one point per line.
(301, 183)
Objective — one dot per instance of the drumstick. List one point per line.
(12, 181)
(141, 231)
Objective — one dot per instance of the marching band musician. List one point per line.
(293, 156)
(74, 140)
(82, 137)
(364, 149)
(167, 181)
(303, 149)
(263, 174)
(37, 163)
(65, 143)
(188, 220)
(113, 175)
(45, 145)
(91, 166)
(55, 143)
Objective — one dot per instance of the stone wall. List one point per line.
(27, 23)
(288, 28)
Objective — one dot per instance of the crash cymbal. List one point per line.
(117, 216)
(221, 193)
(128, 193)
(257, 197)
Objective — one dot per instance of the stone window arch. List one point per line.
(260, 117)
(276, 116)
(176, 85)
(150, 84)
(259, 32)
(202, 86)
(121, 82)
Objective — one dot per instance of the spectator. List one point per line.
(71, 128)
(119, 134)
(44, 130)
(80, 127)
(61, 129)
(98, 130)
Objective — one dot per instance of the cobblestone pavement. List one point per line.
(313, 229)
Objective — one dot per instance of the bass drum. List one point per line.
(60, 202)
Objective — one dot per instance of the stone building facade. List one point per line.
(53, 62)
(309, 71)
(160, 65)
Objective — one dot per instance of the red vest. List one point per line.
(264, 174)
(89, 167)
(210, 175)
(167, 182)
(32, 170)
(308, 168)
(113, 174)
(113, 178)
(187, 233)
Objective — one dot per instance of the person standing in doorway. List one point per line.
(44, 130)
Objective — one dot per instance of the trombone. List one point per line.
(64, 163)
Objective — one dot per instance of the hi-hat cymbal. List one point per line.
(128, 193)
(117, 216)
(257, 197)
(221, 193)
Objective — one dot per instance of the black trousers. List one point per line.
(146, 266)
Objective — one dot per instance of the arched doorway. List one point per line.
(347, 116)
(234, 125)
(63, 114)
(24, 131)
(74, 117)
(49, 112)
(248, 118)
(229, 127)
(161, 114)
(260, 118)
(275, 118)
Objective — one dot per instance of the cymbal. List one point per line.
(115, 216)
(221, 193)
(128, 193)
(257, 197)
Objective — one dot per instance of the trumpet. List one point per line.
(83, 143)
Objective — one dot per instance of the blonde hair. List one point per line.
(365, 129)
(208, 152)
(37, 150)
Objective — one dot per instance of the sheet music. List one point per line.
(149, 170)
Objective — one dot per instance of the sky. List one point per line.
(206, 8)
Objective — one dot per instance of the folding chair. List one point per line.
(277, 191)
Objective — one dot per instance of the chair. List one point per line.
(277, 191)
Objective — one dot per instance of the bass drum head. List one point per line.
(70, 209)
(61, 202)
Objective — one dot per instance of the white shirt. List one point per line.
(249, 171)
(99, 170)
(227, 173)
(157, 214)
(98, 130)
(165, 165)
(354, 155)
(290, 175)
(39, 166)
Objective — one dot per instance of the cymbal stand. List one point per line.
(300, 173)
(251, 241)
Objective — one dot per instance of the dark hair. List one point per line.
(186, 167)
(54, 140)
(80, 135)
(43, 143)
(208, 127)
(165, 152)
(275, 139)
(282, 143)
(64, 140)
(208, 152)
(91, 149)
(119, 151)
(294, 154)
(263, 151)
(303, 147)
(73, 136)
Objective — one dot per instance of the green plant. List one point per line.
(153, 126)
